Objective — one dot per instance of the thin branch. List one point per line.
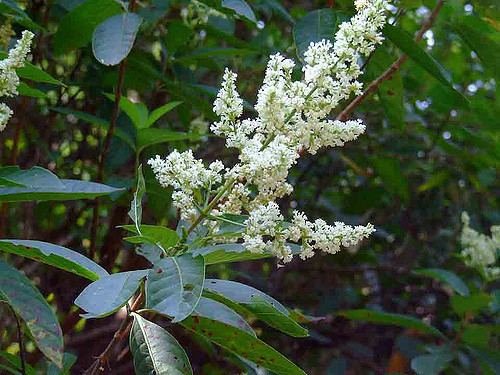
(103, 358)
(392, 69)
(104, 152)
(22, 350)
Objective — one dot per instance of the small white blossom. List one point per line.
(8, 76)
(479, 250)
(186, 175)
(292, 117)
(5, 115)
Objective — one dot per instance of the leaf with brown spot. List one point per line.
(29, 304)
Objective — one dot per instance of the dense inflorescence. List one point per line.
(292, 118)
(9, 79)
(479, 250)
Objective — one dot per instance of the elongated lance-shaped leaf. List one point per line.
(447, 277)
(260, 304)
(225, 253)
(211, 309)
(156, 114)
(33, 72)
(242, 343)
(56, 256)
(106, 295)
(405, 43)
(135, 212)
(42, 185)
(380, 317)
(155, 351)
(315, 26)
(175, 285)
(30, 305)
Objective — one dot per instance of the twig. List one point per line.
(104, 152)
(106, 144)
(392, 69)
(125, 326)
(22, 351)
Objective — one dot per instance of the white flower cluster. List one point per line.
(197, 13)
(479, 250)
(186, 175)
(266, 221)
(8, 76)
(292, 117)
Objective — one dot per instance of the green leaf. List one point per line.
(155, 351)
(379, 317)
(42, 185)
(68, 361)
(477, 335)
(224, 253)
(214, 310)
(76, 28)
(15, 361)
(108, 294)
(389, 170)
(390, 91)
(113, 38)
(135, 212)
(156, 114)
(489, 359)
(35, 74)
(153, 136)
(163, 237)
(241, 8)
(315, 26)
(405, 43)
(11, 9)
(56, 256)
(431, 364)
(477, 35)
(174, 287)
(94, 120)
(31, 306)
(258, 303)
(137, 112)
(243, 344)
(470, 304)
(446, 277)
(152, 253)
(26, 90)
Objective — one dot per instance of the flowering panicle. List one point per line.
(186, 175)
(8, 76)
(479, 250)
(292, 117)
